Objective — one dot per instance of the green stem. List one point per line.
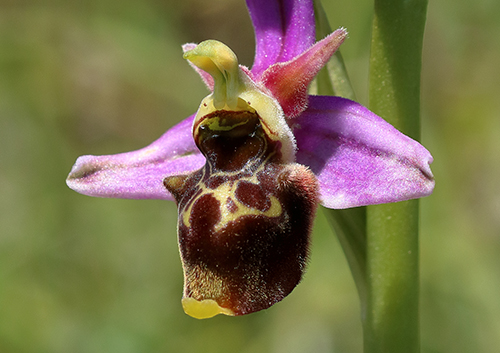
(392, 316)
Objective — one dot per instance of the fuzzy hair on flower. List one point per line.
(250, 167)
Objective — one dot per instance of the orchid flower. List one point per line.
(250, 167)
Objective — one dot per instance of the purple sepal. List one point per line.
(359, 158)
(283, 30)
(139, 174)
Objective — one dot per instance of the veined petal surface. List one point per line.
(359, 158)
(139, 174)
(283, 30)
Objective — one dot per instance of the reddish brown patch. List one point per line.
(252, 195)
(215, 181)
(231, 150)
(254, 261)
(205, 214)
(231, 205)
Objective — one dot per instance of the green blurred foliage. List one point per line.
(80, 274)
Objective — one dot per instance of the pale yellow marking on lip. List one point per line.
(224, 191)
(204, 309)
(186, 214)
(214, 124)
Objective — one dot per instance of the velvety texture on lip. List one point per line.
(270, 153)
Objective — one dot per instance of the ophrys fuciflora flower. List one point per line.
(249, 169)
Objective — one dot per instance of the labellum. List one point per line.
(245, 217)
(250, 167)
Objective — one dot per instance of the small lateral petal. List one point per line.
(289, 81)
(138, 174)
(359, 158)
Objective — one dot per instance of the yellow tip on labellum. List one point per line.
(204, 309)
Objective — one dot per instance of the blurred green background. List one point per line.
(81, 274)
